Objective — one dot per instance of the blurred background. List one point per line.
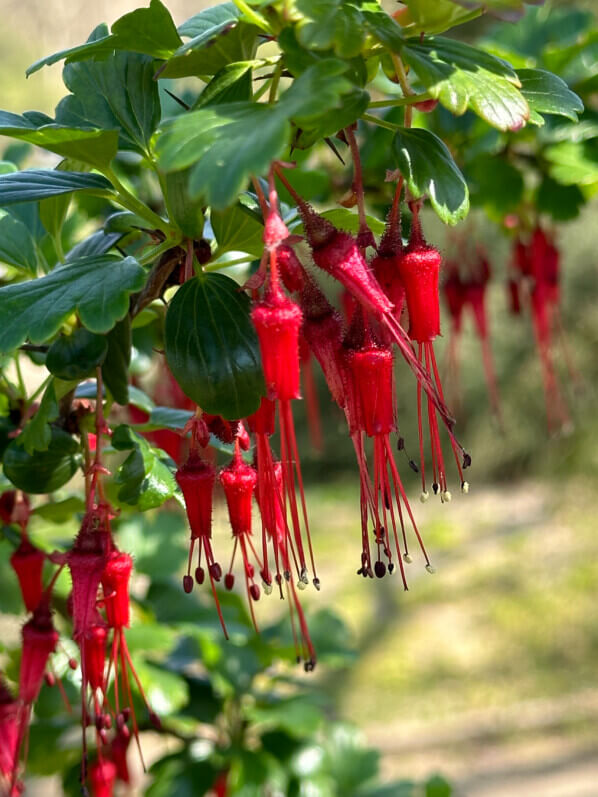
(486, 671)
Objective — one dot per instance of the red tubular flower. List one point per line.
(278, 320)
(196, 479)
(28, 563)
(39, 641)
(238, 481)
(118, 754)
(419, 268)
(476, 297)
(9, 735)
(311, 395)
(102, 777)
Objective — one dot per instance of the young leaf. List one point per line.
(434, 16)
(17, 247)
(76, 356)
(238, 229)
(230, 84)
(509, 10)
(240, 139)
(146, 477)
(217, 37)
(462, 77)
(429, 169)
(92, 145)
(573, 162)
(98, 288)
(212, 347)
(119, 93)
(33, 185)
(115, 370)
(333, 25)
(547, 93)
(43, 471)
(37, 434)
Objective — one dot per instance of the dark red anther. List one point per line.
(225, 431)
(254, 591)
(115, 583)
(196, 479)
(200, 575)
(277, 320)
(188, 584)
(229, 581)
(28, 563)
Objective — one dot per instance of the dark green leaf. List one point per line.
(429, 169)
(35, 184)
(496, 185)
(185, 212)
(547, 93)
(117, 94)
(238, 229)
(562, 202)
(98, 243)
(463, 77)
(354, 104)
(91, 145)
(231, 84)
(115, 370)
(216, 38)
(140, 399)
(76, 356)
(44, 471)
(330, 25)
(60, 511)
(17, 247)
(37, 434)
(98, 288)
(212, 348)
(294, 715)
(146, 477)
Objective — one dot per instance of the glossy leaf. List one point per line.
(212, 348)
(98, 243)
(17, 247)
(33, 185)
(238, 229)
(97, 288)
(547, 93)
(462, 77)
(146, 478)
(115, 369)
(37, 434)
(118, 93)
(230, 84)
(76, 356)
(333, 25)
(43, 471)
(226, 144)
(92, 145)
(429, 170)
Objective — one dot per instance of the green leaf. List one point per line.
(429, 169)
(330, 25)
(217, 37)
(185, 212)
(97, 288)
(496, 185)
(562, 202)
(91, 145)
(547, 93)
(348, 220)
(462, 77)
(238, 229)
(98, 243)
(230, 84)
(119, 93)
(145, 30)
(115, 369)
(60, 511)
(159, 541)
(228, 143)
(212, 347)
(43, 471)
(294, 715)
(37, 434)
(573, 162)
(510, 10)
(76, 356)
(17, 247)
(434, 16)
(33, 185)
(146, 477)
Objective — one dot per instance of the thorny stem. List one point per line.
(189, 261)
(357, 179)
